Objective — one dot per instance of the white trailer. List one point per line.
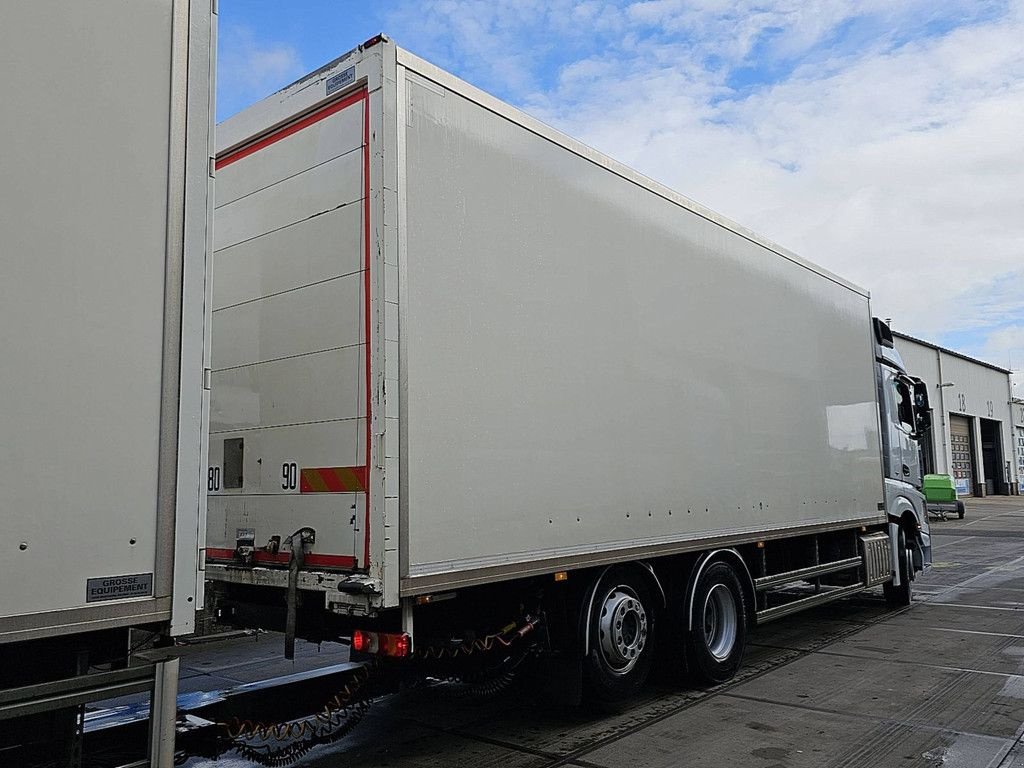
(464, 358)
(105, 206)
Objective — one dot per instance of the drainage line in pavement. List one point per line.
(943, 667)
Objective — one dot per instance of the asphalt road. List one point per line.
(940, 683)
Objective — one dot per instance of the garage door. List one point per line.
(960, 443)
(1020, 460)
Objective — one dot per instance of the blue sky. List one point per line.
(882, 140)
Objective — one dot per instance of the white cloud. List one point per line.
(482, 40)
(1005, 347)
(888, 150)
(248, 69)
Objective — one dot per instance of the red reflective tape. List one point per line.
(332, 479)
(281, 558)
(330, 561)
(292, 128)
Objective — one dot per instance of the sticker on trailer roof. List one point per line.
(340, 80)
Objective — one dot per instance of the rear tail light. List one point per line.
(361, 641)
(381, 643)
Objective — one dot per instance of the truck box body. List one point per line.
(106, 199)
(463, 348)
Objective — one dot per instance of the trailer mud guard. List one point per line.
(894, 546)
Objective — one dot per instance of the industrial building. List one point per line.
(975, 434)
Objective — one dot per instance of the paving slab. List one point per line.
(731, 731)
(380, 741)
(957, 699)
(954, 637)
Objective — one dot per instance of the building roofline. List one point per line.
(952, 352)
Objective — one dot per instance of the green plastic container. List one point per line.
(939, 489)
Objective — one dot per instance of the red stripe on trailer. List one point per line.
(292, 128)
(333, 479)
(281, 558)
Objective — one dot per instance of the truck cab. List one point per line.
(905, 420)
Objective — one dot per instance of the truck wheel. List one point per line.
(621, 625)
(898, 597)
(718, 631)
(961, 510)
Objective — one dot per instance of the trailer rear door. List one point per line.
(289, 442)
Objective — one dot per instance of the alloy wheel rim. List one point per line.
(720, 622)
(622, 628)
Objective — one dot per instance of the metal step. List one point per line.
(818, 598)
(802, 574)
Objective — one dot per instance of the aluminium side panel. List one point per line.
(103, 209)
(194, 400)
(595, 368)
(387, 162)
(296, 347)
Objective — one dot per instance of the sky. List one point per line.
(881, 139)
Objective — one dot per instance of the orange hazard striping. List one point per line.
(332, 479)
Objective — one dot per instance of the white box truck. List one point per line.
(475, 382)
(105, 210)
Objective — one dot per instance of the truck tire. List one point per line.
(621, 624)
(718, 625)
(961, 510)
(901, 596)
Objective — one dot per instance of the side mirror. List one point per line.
(922, 408)
(924, 422)
(920, 394)
(883, 334)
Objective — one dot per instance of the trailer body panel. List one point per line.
(105, 216)
(593, 367)
(570, 364)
